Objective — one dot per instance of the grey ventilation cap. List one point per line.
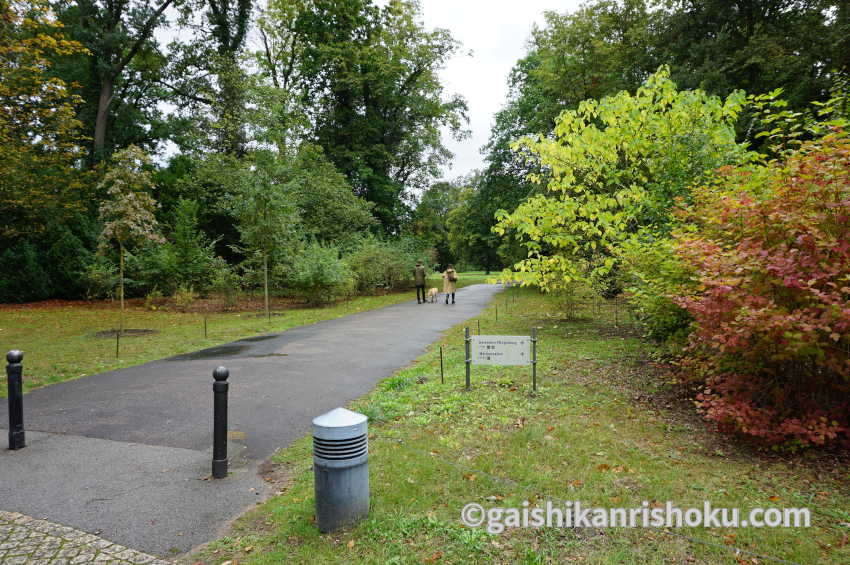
(339, 423)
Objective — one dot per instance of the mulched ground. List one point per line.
(209, 304)
(129, 332)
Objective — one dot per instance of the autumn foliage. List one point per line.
(770, 347)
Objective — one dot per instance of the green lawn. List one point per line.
(604, 429)
(59, 343)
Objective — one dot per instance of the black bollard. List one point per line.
(442, 376)
(220, 386)
(14, 374)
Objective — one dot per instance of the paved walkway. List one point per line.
(27, 541)
(127, 453)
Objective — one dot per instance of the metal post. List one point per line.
(14, 374)
(442, 376)
(479, 326)
(205, 327)
(117, 337)
(534, 359)
(220, 386)
(467, 344)
(497, 312)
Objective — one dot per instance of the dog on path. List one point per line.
(432, 295)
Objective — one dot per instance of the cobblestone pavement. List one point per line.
(27, 541)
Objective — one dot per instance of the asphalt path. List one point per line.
(126, 454)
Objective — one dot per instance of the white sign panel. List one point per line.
(500, 349)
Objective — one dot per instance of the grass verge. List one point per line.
(62, 343)
(603, 430)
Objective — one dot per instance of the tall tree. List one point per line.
(40, 138)
(757, 45)
(261, 202)
(123, 62)
(429, 222)
(376, 100)
(207, 77)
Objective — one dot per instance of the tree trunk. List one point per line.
(121, 285)
(102, 116)
(266, 283)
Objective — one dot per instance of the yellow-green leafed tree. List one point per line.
(615, 167)
(40, 143)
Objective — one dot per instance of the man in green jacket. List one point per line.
(419, 280)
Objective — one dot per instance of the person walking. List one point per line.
(450, 283)
(419, 280)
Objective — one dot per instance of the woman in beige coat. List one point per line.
(450, 283)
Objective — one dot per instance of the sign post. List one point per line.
(466, 341)
(534, 359)
(503, 350)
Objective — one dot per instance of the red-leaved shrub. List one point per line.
(770, 348)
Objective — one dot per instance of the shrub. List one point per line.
(184, 297)
(320, 276)
(22, 276)
(656, 274)
(379, 264)
(225, 282)
(101, 278)
(771, 341)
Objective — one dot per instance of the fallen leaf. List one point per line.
(603, 467)
(774, 498)
(350, 544)
(550, 428)
(437, 555)
(469, 477)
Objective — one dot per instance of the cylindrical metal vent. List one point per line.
(340, 458)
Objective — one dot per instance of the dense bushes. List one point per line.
(770, 346)
(51, 264)
(320, 276)
(384, 265)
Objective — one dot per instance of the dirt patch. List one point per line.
(130, 332)
(279, 475)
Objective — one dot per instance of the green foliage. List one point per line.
(22, 277)
(184, 297)
(429, 222)
(101, 277)
(40, 183)
(384, 265)
(190, 255)
(320, 276)
(655, 275)
(328, 209)
(370, 75)
(614, 169)
(226, 283)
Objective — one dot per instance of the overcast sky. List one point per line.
(496, 31)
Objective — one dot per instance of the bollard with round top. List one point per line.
(14, 374)
(220, 386)
(340, 468)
